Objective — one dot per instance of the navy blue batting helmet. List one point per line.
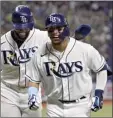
(55, 20)
(83, 29)
(22, 17)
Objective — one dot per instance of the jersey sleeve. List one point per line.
(33, 71)
(2, 47)
(96, 61)
(1, 62)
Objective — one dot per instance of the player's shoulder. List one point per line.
(80, 44)
(42, 34)
(5, 36)
(44, 49)
(40, 31)
(83, 45)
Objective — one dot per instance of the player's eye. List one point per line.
(22, 30)
(51, 29)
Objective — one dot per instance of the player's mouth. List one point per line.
(23, 34)
(55, 37)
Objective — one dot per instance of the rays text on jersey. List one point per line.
(63, 69)
(22, 56)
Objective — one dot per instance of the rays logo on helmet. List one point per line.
(23, 19)
(54, 19)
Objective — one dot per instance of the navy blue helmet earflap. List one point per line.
(22, 17)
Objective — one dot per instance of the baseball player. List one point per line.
(63, 66)
(17, 48)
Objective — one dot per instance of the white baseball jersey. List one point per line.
(13, 59)
(66, 75)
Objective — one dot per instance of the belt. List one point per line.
(72, 101)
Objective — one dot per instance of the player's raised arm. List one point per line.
(98, 64)
(33, 75)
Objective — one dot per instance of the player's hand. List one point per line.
(33, 104)
(97, 101)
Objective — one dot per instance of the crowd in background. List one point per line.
(95, 13)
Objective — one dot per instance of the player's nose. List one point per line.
(55, 31)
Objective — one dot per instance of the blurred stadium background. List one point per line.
(96, 13)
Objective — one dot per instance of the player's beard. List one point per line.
(22, 35)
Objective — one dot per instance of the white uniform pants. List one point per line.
(58, 109)
(15, 104)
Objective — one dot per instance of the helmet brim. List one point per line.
(54, 25)
(23, 26)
